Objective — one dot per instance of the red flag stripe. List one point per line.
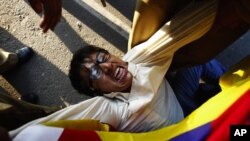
(237, 113)
(78, 135)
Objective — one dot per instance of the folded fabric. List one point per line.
(211, 121)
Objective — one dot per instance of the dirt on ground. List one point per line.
(46, 73)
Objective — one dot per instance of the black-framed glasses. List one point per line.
(95, 71)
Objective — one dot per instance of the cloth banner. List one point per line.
(211, 121)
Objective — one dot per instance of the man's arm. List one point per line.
(150, 15)
(188, 25)
(52, 10)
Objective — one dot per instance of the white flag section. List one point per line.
(41, 132)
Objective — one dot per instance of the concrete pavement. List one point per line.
(83, 22)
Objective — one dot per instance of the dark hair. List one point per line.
(77, 80)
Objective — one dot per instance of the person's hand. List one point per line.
(52, 12)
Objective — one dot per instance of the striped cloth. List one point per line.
(211, 121)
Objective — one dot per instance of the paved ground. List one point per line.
(83, 22)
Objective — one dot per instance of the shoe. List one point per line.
(206, 91)
(24, 54)
(31, 98)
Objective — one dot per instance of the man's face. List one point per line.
(108, 73)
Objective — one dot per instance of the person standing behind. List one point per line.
(52, 12)
(15, 112)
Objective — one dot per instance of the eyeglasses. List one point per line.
(95, 71)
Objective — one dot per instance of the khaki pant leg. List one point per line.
(14, 113)
(7, 60)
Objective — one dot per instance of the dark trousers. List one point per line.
(14, 113)
(188, 89)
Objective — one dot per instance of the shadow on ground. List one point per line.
(125, 7)
(38, 76)
(93, 23)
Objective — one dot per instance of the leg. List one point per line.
(190, 93)
(211, 73)
(7, 60)
(185, 83)
(15, 113)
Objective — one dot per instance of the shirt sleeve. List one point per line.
(186, 26)
(99, 108)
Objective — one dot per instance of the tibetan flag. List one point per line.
(211, 121)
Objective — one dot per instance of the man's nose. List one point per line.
(106, 67)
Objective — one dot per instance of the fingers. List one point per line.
(36, 5)
(46, 21)
(59, 15)
(103, 3)
(52, 14)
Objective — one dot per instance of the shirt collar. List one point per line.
(118, 95)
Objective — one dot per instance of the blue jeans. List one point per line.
(189, 92)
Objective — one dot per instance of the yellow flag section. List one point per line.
(197, 126)
(234, 86)
(236, 92)
(238, 72)
(208, 112)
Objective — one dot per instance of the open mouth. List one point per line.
(120, 74)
